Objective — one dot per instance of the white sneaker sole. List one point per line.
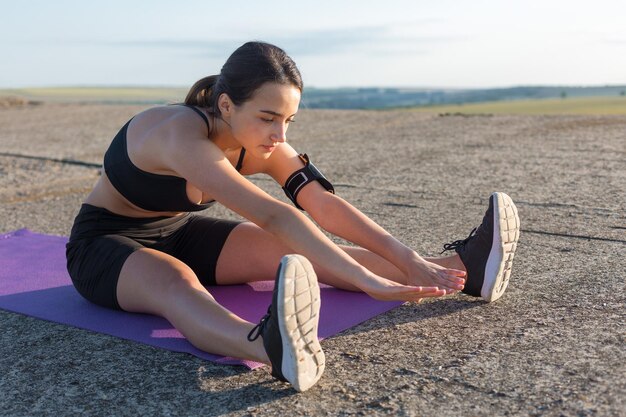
(506, 226)
(298, 317)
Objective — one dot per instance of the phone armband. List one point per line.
(302, 177)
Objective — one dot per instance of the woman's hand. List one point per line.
(424, 273)
(387, 290)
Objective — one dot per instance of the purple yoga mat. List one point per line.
(35, 282)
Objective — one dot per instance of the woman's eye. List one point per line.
(267, 120)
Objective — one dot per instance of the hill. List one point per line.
(317, 98)
(381, 98)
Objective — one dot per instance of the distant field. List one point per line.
(584, 105)
(605, 105)
(100, 94)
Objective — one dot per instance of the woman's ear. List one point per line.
(225, 104)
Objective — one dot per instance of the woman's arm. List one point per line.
(204, 165)
(340, 218)
(337, 216)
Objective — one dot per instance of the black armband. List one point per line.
(302, 177)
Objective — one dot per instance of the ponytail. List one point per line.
(201, 93)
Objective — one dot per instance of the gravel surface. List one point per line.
(554, 344)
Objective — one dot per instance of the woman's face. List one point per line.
(261, 123)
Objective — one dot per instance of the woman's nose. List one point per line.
(280, 134)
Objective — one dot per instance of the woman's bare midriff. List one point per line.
(106, 196)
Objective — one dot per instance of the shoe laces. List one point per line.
(258, 329)
(458, 243)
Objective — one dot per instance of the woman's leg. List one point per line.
(251, 254)
(156, 283)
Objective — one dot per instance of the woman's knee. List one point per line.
(249, 254)
(150, 279)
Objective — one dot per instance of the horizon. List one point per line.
(354, 87)
(403, 44)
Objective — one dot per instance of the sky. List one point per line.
(392, 43)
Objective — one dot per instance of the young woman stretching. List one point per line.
(137, 246)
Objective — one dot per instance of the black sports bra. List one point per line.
(153, 192)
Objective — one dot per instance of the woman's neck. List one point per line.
(221, 134)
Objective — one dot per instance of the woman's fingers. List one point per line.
(454, 275)
(408, 293)
(451, 285)
(428, 290)
(453, 279)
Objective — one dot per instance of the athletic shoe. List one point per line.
(488, 251)
(289, 329)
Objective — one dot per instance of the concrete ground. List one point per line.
(554, 344)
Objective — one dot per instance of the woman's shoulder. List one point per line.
(174, 117)
(161, 133)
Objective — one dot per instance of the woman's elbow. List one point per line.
(326, 212)
(278, 218)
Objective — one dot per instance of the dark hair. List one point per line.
(246, 70)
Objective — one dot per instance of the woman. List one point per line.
(136, 244)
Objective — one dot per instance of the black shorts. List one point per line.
(101, 241)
